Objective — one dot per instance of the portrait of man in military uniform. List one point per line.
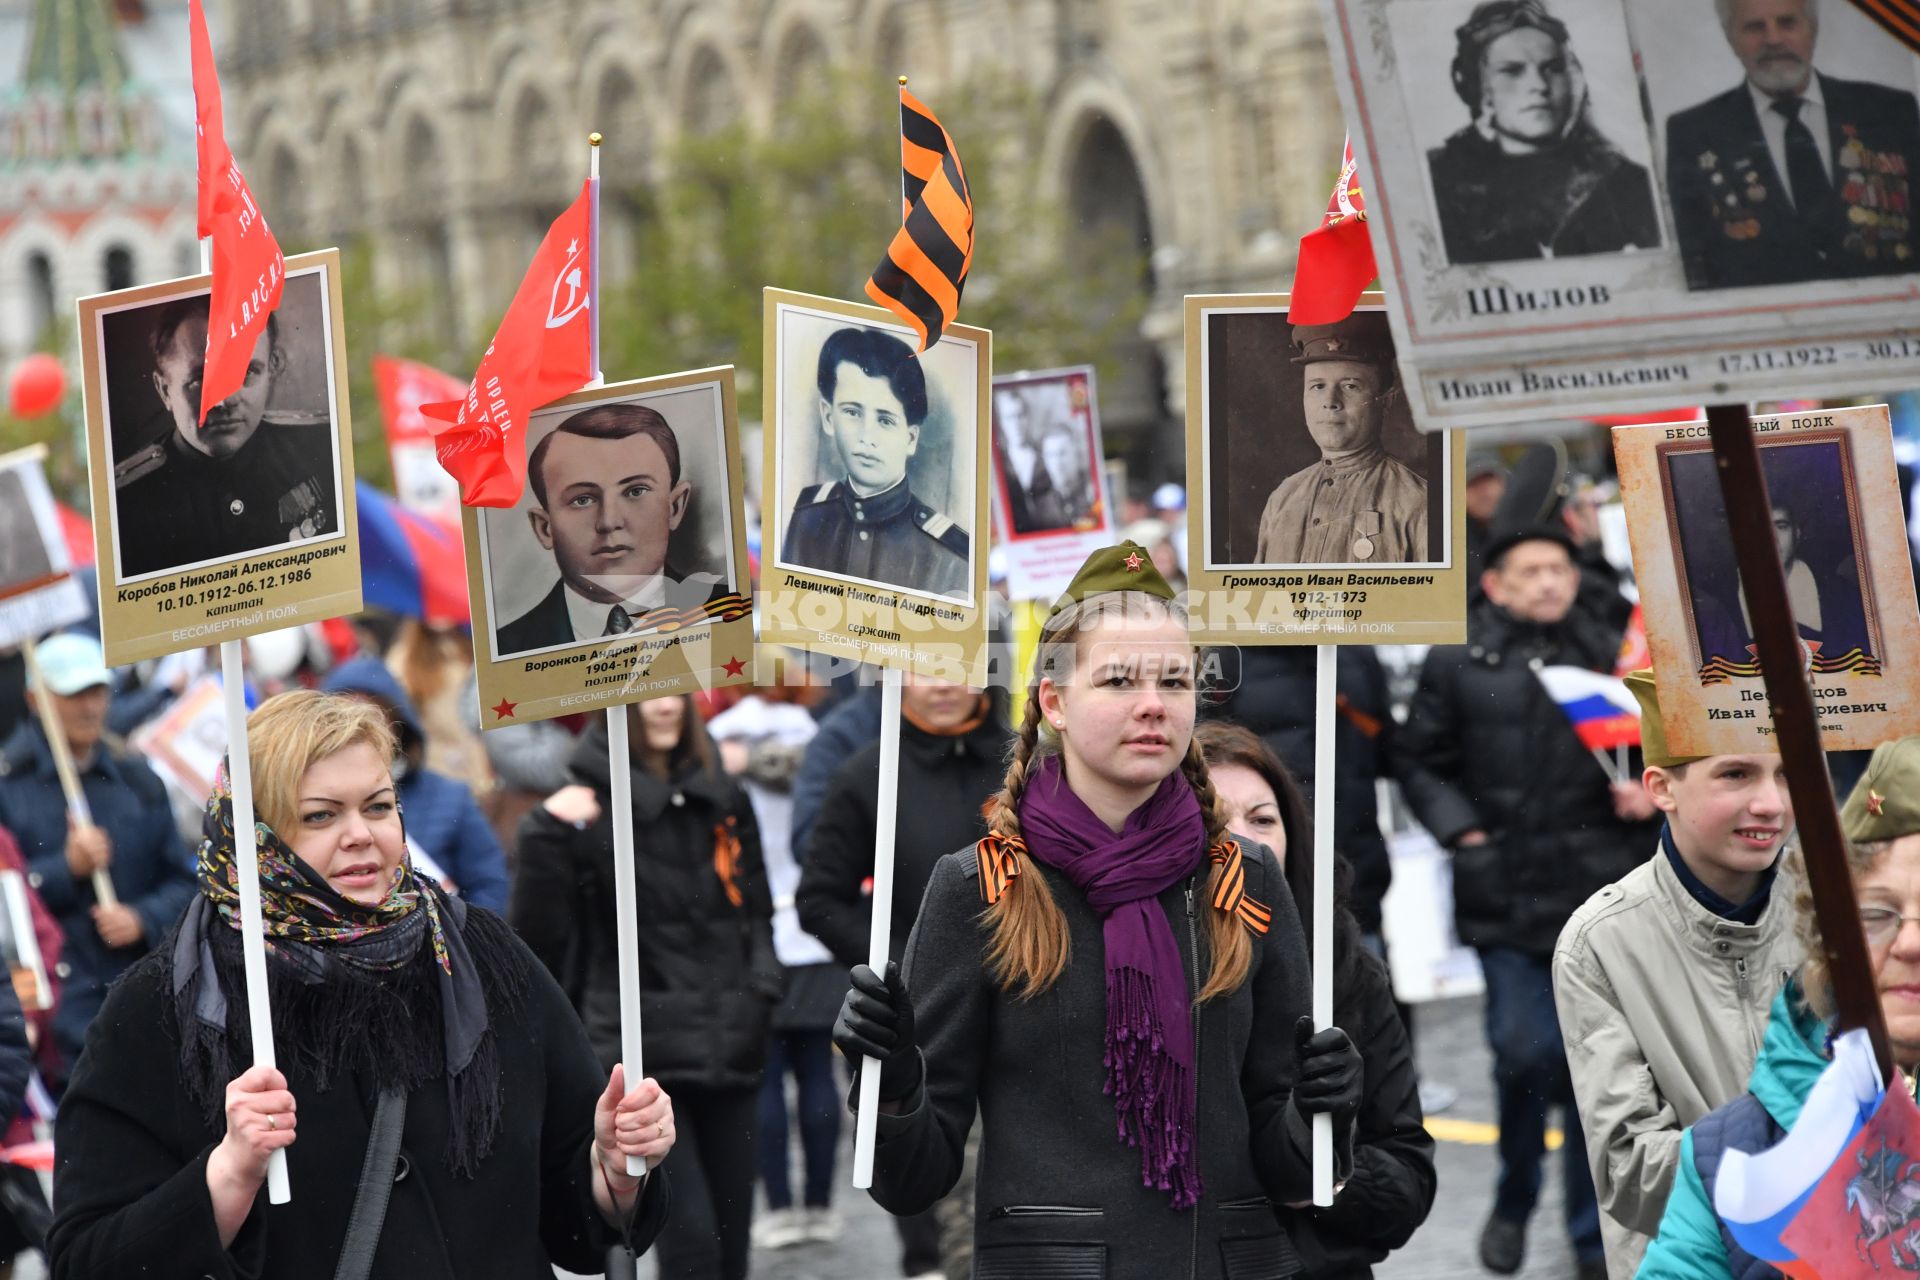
(251, 478)
(609, 490)
(1793, 174)
(871, 407)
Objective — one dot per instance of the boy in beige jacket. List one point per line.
(1663, 979)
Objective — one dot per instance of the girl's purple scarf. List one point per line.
(1149, 1054)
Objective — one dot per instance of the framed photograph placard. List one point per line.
(1051, 502)
(875, 513)
(1635, 203)
(621, 574)
(1317, 513)
(1837, 522)
(38, 592)
(245, 523)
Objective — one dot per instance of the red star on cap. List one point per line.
(734, 666)
(505, 710)
(1875, 802)
(1133, 562)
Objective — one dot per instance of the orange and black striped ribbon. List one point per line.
(926, 266)
(1901, 17)
(726, 860)
(998, 865)
(1230, 889)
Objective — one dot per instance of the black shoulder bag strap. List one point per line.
(376, 1187)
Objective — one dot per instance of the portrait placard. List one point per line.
(38, 593)
(876, 490)
(1050, 499)
(214, 531)
(1635, 203)
(1317, 513)
(621, 574)
(1837, 521)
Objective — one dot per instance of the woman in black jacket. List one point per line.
(708, 974)
(1391, 1190)
(1114, 984)
(383, 989)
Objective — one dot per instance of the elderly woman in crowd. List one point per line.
(425, 1056)
(1531, 176)
(1882, 825)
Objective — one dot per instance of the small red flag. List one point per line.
(403, 386)
(248, 267)
(542, 350)
(1336, 264)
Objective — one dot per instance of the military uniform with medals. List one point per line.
(1358, 506)
(177, 506)
(890, 537)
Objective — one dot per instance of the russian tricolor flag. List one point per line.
(1603, 711)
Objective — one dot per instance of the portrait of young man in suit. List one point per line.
(1794, 174)
(608, 494)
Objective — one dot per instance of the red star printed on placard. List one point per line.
(1875, 802)
(1133, 562)
(734, 666)
(505, 710)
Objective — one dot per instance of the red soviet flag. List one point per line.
(1336, 258)
(248, 267)
(542, 350)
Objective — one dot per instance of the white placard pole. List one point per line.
(1324, 706)
(63, 766)
(626, 904)
(880, 941)
(253, 946)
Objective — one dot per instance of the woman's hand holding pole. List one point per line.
(876, 1021)
(260, 1121)
(629, 1130)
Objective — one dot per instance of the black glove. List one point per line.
(876, 1021)
(1331, 1073)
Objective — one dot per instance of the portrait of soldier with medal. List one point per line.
(1317, 458)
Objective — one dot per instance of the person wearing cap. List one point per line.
(1663, 979)
(1115, 985)
(1486, 483)
(1881, 823)
(1494, 770)
(1358, 503)
(132, 836)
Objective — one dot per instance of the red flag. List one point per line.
(1636, 654)
(1336, 264)
(248, 267)
(542, 350)
(1860, 1216)
(418, 480)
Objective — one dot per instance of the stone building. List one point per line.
(1208, 134)
(96, 156)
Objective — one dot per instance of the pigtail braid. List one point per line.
(1227, 938)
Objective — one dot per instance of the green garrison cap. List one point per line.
(1126, 567)
(1885, 803)
(1359, 337)
(1653, 729)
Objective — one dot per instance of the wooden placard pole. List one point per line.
(1790, 699)
(63, 766)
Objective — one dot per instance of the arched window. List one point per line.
(712, 99)
(40, 292)
(118, 267)
(1110, 240)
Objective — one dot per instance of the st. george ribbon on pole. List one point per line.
(880, 940)
(626, 890)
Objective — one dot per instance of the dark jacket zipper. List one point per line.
(1045, 1210)
(1193, 948)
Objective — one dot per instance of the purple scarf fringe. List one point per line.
(1152, 1091)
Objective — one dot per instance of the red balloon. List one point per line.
(39, 383)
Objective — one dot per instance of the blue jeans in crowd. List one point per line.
(1530, 1075)
(808, 1056)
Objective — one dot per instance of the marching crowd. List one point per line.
(1095, 1055)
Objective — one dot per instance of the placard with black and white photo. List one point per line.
(244, 522)
(876, 505)
(1049, 496)
(1634, 203)
(38, 592)
(621, 574)
(1306, 473)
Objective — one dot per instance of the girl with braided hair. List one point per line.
(1114, 983)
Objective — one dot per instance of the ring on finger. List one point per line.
(273, 1122)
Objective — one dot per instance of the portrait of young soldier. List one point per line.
(232, 485)
(1531, 175)
(1356, 503)
(1793, 174)
(608, 493)
(869, 523)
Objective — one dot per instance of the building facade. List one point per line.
(450, 131)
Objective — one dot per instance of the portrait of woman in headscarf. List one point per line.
(1531, 175)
